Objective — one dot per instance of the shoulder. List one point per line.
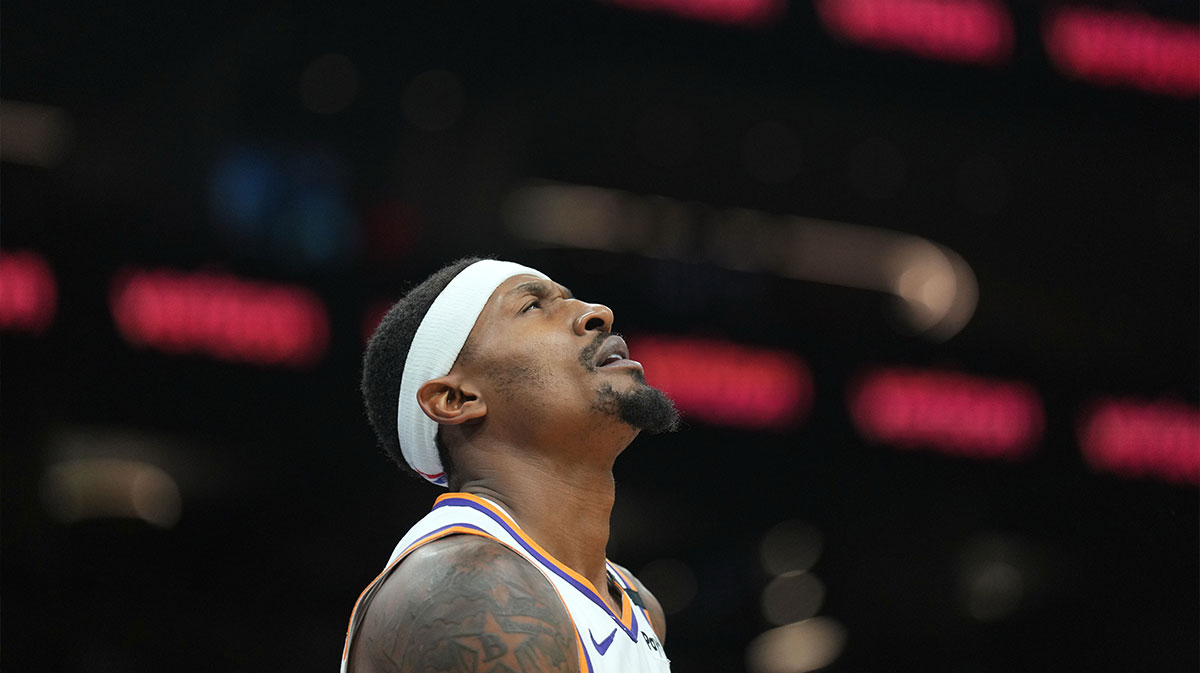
(657, 616)
(460, 603)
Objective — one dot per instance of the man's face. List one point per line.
(550, 365)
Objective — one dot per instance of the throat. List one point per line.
(568, 520)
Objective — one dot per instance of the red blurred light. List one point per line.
(28, 293)
(732, 12)
(1143, 439)
(964, 31)
(1125, 49)
(727, 384)
(392, 228)
(373, 316)
(948, 412)
(221, 316)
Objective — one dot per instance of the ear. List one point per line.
(448, 401)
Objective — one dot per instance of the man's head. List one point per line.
(486, 348)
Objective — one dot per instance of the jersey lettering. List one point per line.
(651, 641)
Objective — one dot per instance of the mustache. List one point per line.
(587, 356)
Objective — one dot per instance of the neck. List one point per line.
(566, 511)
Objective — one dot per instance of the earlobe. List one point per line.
(447, 401)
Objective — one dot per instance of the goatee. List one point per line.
(645, 408)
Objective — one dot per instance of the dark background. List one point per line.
(1084, 243)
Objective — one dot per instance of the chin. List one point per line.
(641, 407)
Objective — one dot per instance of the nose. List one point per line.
(595, 317)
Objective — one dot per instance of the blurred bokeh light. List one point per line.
(28, 292)
(920, 274)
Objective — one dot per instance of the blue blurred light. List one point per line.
(289, 207)
(246, 188)
(319, 227)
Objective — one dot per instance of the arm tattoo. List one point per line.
(474, 607)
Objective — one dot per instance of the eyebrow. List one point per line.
(537, 288)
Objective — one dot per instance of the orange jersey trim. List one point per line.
(584, 664)
(630, 587)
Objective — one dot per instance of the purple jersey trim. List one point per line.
(435, 532)
(632, 631)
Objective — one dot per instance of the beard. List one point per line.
(644, 408)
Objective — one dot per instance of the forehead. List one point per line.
(506, 301)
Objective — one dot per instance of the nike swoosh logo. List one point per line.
(603, 645)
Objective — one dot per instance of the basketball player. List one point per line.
(493, 380)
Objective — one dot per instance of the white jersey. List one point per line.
(608, 642)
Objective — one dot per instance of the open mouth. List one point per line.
(614, 353)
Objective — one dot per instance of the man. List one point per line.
(493, 380)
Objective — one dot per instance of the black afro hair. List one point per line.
(383, 361)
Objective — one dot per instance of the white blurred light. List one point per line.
(671, 582)
(797, 648)
(996, 576)
(329, 84)
(924, 278)
(792, 597)
(34, 134)
(433, 101)
(936, 287)
(578, 216)
(771, 153)
(88, 488)
(994, 591)
(790, 545)
(966, 297)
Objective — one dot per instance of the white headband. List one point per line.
(435, 347)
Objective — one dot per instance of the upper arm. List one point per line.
(465, 603)
(657, 616)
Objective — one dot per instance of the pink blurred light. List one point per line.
(723, 383)
(28, 292)
(1143, 439)
(1125, 49)
(220, 315)
(751, 13)
(963, 31)
(948, 412)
